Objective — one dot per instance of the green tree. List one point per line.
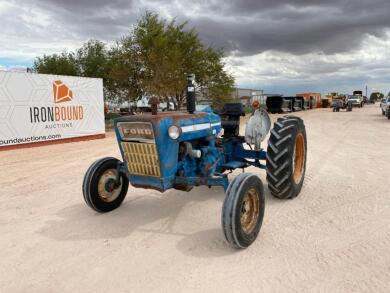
(169, 52)
(377, 96)
(154, 58)
(92, 59)
(61, 64)
(215, 83)
(125, 73)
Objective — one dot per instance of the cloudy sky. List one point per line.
(280, 46)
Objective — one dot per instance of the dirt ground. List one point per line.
(335, 237)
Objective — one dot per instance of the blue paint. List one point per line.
(180, 169)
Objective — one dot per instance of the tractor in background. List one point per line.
(341, 103)
(181, 150)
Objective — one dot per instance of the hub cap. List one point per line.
(298, 158)
(250, 211)
(106, 187)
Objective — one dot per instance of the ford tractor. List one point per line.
(181, 150)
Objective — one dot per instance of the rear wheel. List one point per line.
(243, 210)
(101, 190)
(286, 157)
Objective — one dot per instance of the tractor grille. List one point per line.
(142, 158)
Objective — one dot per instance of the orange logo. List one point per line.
(61, 92)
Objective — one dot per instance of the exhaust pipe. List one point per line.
(191, 99)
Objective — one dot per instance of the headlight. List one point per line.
(174, 132)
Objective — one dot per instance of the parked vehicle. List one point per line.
(277, 104)
(296, 103)
(338, 104)
(181, 150)
(382, 102)
(372, 99)
(385, 107)
(359, 95)
(144, 106)
(356, 101)
(376, 96)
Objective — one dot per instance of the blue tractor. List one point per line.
(181, 150)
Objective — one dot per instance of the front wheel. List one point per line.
(101, 189)
(243, 210)
(286, 157)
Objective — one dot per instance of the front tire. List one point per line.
(101, 193)
(286, 157)
(243, 210)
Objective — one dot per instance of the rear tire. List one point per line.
(286, 157)
(243, 210)
(99, 190)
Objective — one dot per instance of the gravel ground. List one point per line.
(335, 237)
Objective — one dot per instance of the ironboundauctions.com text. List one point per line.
(29, 139)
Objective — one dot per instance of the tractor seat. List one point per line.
(230, 118)
(232, 109)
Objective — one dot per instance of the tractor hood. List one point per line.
(150, 154)
(199, 124)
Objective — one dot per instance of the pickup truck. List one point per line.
(385, 107)
(356, 101)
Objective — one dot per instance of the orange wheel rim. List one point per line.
(299, 158)
(250, 210)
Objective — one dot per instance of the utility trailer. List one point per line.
(277, 104)
(303, 102)
(296, 104)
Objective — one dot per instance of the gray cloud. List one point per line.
(290, 41)
(81, 6)
(240, 27)
(257, 26)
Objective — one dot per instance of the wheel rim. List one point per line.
(250, 211)
(108, 194)
(299, 158)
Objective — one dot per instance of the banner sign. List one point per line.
(41, 107)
